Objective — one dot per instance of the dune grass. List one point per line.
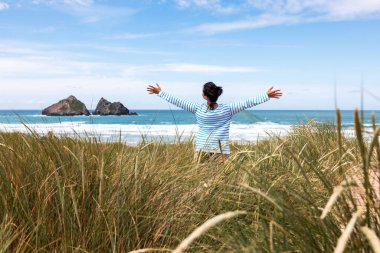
(298, 193)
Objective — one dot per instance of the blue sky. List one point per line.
(50, 49)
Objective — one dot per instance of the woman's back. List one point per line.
(211, 118)
(214, 126)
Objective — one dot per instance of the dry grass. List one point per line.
(81, 195)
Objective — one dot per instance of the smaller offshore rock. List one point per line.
(105, 107)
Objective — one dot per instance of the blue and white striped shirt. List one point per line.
(214, 125)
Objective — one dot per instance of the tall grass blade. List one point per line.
(339, 130)
(333, 198)
(374, 143)
(204, 228)
(372, 238)
(376, 140)
(363, 152)
(150, 250)
(342, 241)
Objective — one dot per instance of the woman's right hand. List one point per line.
(154, 89)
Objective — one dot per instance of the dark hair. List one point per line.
(212, 92)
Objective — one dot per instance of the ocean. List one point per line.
(169, 125)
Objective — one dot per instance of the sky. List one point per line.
(50, 49)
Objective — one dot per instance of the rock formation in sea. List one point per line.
(105, 107)
(70, 106)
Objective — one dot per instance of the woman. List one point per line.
(214, 119)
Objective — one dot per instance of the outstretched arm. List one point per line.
(181, 103)
(250, 102)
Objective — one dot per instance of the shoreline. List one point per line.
(133, 134)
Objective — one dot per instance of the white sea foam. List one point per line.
(133, 133)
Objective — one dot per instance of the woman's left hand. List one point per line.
(274, 93)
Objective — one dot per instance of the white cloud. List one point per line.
(28, 60)
(133, 36)
(198, 3)
(285, 6)
(47, 29)
(48, 61)
(88, 11)
(258, 22)
(79, 2)
(36, 2)
(71, 2)
(3, 6)
(120, 49)
(279, 12)
(189, 68)
(351, 8)
(336, 8)
(211, 5)
(48, 67)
